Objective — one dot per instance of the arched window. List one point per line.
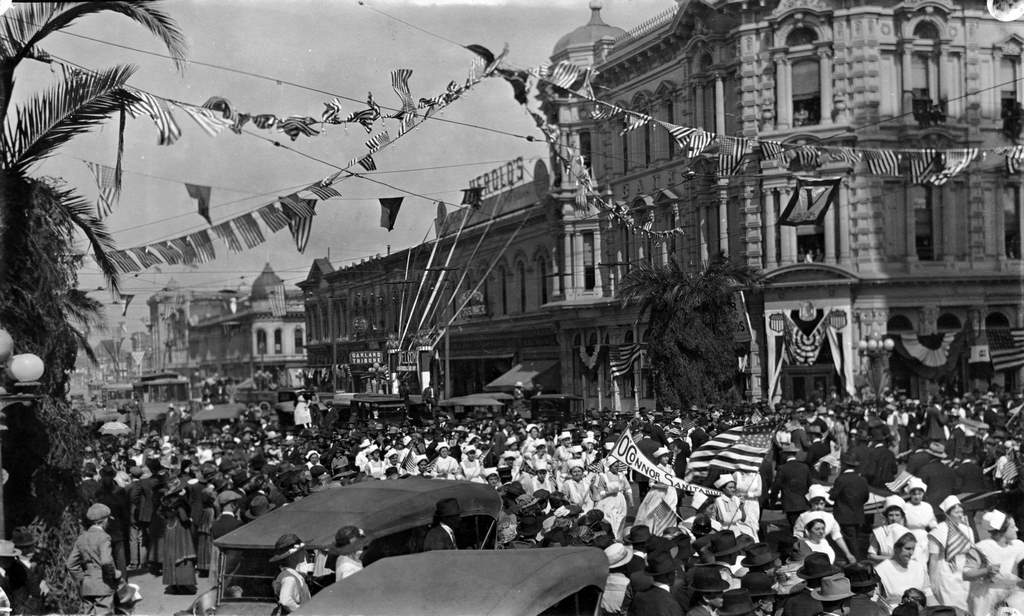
(996, 320)
(521, 273)
(261, 342)
(899, 324)
(542, 279)
(503, 289)
(801, 36)
(926, 30)
(948, 323)
(300, 341)
(278, 337)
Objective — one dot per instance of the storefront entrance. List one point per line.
(808, 382)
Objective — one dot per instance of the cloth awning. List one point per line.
(529, 373)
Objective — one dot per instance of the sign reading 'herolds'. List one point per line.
(512, 173)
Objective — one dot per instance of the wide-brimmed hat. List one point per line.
(758, 554)
(849, 459)
(637, 535)
(861, 578)
(818, 491)
(708, 580)
(736, 602)
(758, 584)
(23, 539)
(660, 563)
(285, 546)
(618, 554)
(723, 543)
(347, 540)
(816, 566)
(937, 449)
(447, 508)
(258, 506)
(833, 588)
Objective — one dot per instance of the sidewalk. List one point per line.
(155, 602)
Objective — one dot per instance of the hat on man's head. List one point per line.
(618, 555)
(660, 563)
(758, 554)
(285, 546)
(637, 535)
(937, 449)
(447, 508)
(736, 602)
(97, 512)
(228, 496)
(758, 584)
(708, 580)
(723, 543)
(861, 578)
(816, 566)
(833, 588)
(23, 539)
(347, 540)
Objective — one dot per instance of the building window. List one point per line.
(586, 150)
(589, 266)
(277, 342)
(503, 281)
(542, 269)
(806, 92)
(1011, 222)
(624, 139)
(300, 342)
(521, 273)
(1009, 74)
(708, 107)
(801, 36)
(810, 244)
(647, 145)
(261, 342)
(627, 250)
(923, 232)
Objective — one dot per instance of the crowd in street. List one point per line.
(904, 508)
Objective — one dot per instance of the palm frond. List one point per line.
(82, 339)
(80, 211)
(82, 309)
(28, 24)
(51, 118)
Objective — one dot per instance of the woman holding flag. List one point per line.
(612, 494)
(948, 546)
(658, 509)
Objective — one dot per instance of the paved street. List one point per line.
(155, 602)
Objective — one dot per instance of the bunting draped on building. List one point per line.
(810, 201)
(789, 343)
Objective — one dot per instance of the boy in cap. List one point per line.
(91, 561)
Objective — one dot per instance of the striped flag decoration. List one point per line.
(378, 141)
(167, 252)
(123, 262)
(409, 463)
(364, 117)
(400, 84)
(188, 253)
(771, 149)
(844, 154)
(211, 122)
(605, 111)
(367, 163)
(273, 217)
(953, 162)
(807, 156)
(732, 155)
(227, 233)
(145, 258)
(1007, 469)
(104, 175)
(681, 134)
(297, 207)
(594, 467)
(1014, 159)
(250, 230)
(278, 300)
(159, 112)
(634, 121)
(882, 162)
(742, 448)
(1011, 355)
(265, 120)
(323, 192)
(922, 165)
(332, 112)
(431, 466)
(956, 542)
(300, 213)
(564, 74)
(896, 485)
(700, 142)
(623, 358)
(203, 246)
(293, 126)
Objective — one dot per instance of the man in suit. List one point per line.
(850, 492)
(940, 479)
(816, 567)
(140, 503)
(441, 536)
(91, 561)
(652, 588)
(880, 466)
(791, 482)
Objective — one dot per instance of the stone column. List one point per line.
(844, 223)
(569, 275)
(577, 263)
(771, 230)
(908, 95)
(825, 77)
(830, 235)
(719, 105)
(723, 218)
(598, 259)
(783, 94)
(557, 286)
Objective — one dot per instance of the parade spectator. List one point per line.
(851, 492)
(792, 479)
(441, 536)
(290, 585)
(91, 561)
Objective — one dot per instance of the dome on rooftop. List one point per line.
(592, 32)
(266, 281)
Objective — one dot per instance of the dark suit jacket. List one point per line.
(850, 492)
(941, 480)
(437, 539)
(916, 461)
(224, 525)
(655, 602)
(802, 604)
(792, 480)
(971, 478)
(879, 466)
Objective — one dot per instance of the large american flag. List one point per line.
(742, 448)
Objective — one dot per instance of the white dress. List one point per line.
(886, 537)
(948, 577)
(614, 487)
(986, 595)
(658, 509)
(821, 547)
(578, 492)
(731, 512)
(920, 520)
(749, 487)
(447, 468)
(831, 525)
(896, 580)
(473, 470)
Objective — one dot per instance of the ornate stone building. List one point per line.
(931, 266)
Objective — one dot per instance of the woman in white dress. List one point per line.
(920, 517)
(576, 486)
(613, 494)
(818, 497)
(446, 467)
(901, 572)
(729, 508)
(814, 539)
(374, 467)
(948, 546)
(991, 568)
(883, 538)
(660, 496)
(472, 468)
(749, 487)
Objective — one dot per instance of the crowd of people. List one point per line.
(856, 508)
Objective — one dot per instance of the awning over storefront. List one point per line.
(530, 373)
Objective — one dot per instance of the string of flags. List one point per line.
(927, 166)
(294, 211)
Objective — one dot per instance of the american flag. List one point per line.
(431, 466)
(203, 246)
(700, 142)
(188, 253)
(167, 252)
(624, 357)
(323, 192)
(400, 83)
(365, 117)
(159, 112)
(594, 467)
(1006, 348)
(606, 111)
(409, 463)
(635, 120)
(378, 141)
(564, 74)
(771, 149)
(742, 448)
(1007, 469)
(250, 231)
(732, 156)
(367, 163)
(332, 112)
(294, 126)
(681, 134)
(956, 542)
(300, 213)
(227, 233)
(265, 120)
(922, 165)
(953, 163)
(107, 186)
(1014, 159)
(273, 217)
(882, 162)
(896, 485)
(844, 154)
(144, 257)
(278, 301)
(211, 122)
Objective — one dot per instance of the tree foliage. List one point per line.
(690, 343)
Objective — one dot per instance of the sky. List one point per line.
(342, 47)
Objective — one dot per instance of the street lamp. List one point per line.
(23, 371)
(877, 351)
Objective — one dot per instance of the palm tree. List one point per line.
(40, 304)
(691, 321)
